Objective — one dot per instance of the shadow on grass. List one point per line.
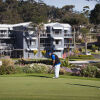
(42, 76)
(84, 85)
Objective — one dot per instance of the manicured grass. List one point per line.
(43, 87)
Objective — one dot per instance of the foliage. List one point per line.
(82, 57)
(43, 61)
(7, 62)
(89, 71)
(29, 10)
(76, 51)
(36, 68)
(66, 63)
(35, 52)
(95, 15)
(94, 47)
(7, 67)
(84, 31)
(43, 52)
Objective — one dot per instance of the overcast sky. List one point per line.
(79, 4)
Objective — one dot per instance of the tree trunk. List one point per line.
(39, 45)
(74, 40)
(85, 47)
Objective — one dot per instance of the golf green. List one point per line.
(46, 88)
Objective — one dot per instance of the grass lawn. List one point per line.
(43, 87)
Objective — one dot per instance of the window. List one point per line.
(33, 42)
(57, 41)
(65, 31)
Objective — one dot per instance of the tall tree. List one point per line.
(85, 32)
(95, 15)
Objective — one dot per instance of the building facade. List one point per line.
(20, 40)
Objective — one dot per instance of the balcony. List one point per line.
(6, 46)
(58, 48)
(44, 35)
(59, 34)
(68, 45)
(68, 35)
(5, 36)
(45, 45)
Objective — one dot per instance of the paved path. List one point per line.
(83, 62)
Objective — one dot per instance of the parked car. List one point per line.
(88, 53)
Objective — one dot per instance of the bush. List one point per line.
(97, 65)
(66, 63)
(7, 62)
(64, 70)
(89, 71)
(98, 73)
(82, 57)
(43, 61)
(36, 68)
(7, 67)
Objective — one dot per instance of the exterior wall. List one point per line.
(55, 39)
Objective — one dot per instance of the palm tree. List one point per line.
(40, 30)
(85, 32)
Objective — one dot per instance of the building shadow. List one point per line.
(84, 85)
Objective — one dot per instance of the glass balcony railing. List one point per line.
(68, 35)
(68, 45)
(45, 45)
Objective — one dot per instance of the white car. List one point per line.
(88, 53)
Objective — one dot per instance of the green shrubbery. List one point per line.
(43, 61)
(89, 71)
(36, 68)
(7, 67)
(82, 57)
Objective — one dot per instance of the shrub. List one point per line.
(7, 62)
(97, 65)
(64, 70)
(43, 61)
(66, 63)
(94, 47)
(18, 69)
(7, 67)
(98, 73)
(82, 57)
(89, 71)
(35, 52)
(36, 68)
(27, 69)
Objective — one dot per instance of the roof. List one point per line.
(58, 25)
(10, 26)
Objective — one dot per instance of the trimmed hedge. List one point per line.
(82, 57)
(43, 61)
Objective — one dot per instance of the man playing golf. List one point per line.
(56, 64)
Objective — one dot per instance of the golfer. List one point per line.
(56, 64)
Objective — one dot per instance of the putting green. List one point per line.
(42, 88)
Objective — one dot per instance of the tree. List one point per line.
(95, 15)
(39, 31)
(85, 32)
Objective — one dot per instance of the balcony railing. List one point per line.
(6, 46)
(68, 35)
(45, 45)
(5, 35)
(68, 45)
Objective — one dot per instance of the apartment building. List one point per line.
(20, 40)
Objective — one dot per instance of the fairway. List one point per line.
(42, 88)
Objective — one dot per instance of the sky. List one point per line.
(79, 4)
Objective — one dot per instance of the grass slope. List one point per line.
(37, 87)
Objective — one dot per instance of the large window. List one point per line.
(33, 42)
